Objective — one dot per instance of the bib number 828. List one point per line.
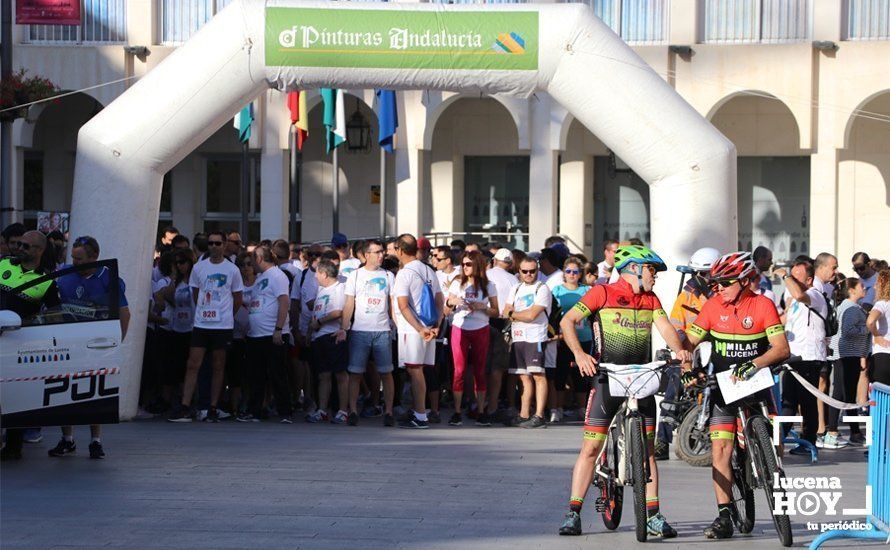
(209, 314)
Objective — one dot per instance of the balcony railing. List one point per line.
(178, 20)
(868, 20)
(102, 22)
(756, 21)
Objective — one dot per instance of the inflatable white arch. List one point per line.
(252, 45)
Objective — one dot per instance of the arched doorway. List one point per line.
(478, 175)
(773, 174)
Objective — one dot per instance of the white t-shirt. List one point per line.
(464, 317)
(883, 325)
(805, 330)
(523, 297)
(215, 283)
(305, 294)
(603, 272)
(553, 280)
(869, 286)
(371, 289)
(330, 298)
(504, 281)
(348, 266)
(445, 279)
(263, 305)
(183, 308)
(409, 282)
(167, 312)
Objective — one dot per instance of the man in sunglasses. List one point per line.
(217, 292)
(624, 313)
(867, 275)
(747, 336)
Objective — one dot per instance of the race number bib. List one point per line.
(373, 304)
(211, 315)
(518, 333)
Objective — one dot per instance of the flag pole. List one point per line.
(294, 176)
(245, 188)
(336, 193)
(382, 193)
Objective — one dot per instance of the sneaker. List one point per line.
(318, 416)
(456, 419)
(63, 448)
(286, 420)
(222, 414)
(534, 422)
(572, 525)
(180, 414)
(32, 435)
(414, 423)
(555, 416)
(661, 450)
(820, 441)
(516, 421)
(721, 528)
(352, 419)
(659, 527)
(247, 417)
(833, 441)
(857, 439)
(212, 415)
(389, 421)
(96, 450)
(372, 412)
(434, 418)
(340, 418)
(201, 415)
(142, 414)
(483, 420)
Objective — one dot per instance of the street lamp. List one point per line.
(358, 132)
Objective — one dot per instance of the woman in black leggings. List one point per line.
(850, 347)
(878, 321)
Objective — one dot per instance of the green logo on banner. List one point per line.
(387, 39)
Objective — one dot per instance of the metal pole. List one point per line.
(7, 208)
(336, 194)
(382, 193)
(245, 189)
(294, 184)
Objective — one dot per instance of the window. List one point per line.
(102, 21)
(178, 20)
(496, 196)
(868, 19)
(222, 194)
(756, 21)
(620, 203)
(167, 197)
(635, 21)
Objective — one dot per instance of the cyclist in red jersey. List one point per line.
(624, 314)
(747, 336)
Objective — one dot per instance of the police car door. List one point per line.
(61, 367)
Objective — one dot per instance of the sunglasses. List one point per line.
(528, 271)
(726, 284)
(571, 271)
(467, 264)
(442, 259)
(215, 243)
(861, 267)
(651, 268)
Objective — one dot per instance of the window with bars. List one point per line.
(756, 21)
(178, 20)
(868, 20)
(102, 22)
(635, 21)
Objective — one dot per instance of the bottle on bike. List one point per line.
(624, 313)
(747, 335)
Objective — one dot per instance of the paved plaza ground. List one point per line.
(268, 485)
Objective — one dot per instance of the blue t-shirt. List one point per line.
(88, 296)
(567, 300)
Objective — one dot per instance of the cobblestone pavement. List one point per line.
(269, 485)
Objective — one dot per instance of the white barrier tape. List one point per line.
(825, 398)
(82, 374)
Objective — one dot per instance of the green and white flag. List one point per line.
(334, 117)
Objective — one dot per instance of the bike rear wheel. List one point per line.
(637, 458)
(613, 501)
(693, 446)
(764, 454)
(742, 493)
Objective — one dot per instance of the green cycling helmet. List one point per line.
(635, 254)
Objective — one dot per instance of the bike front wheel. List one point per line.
(764, 454)
(638, 472)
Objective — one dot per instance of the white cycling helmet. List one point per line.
(703, 258)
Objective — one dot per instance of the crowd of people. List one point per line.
(396, 331)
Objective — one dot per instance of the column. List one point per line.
(823, 201)
(274, 190)
(543, 166)
(576, 202)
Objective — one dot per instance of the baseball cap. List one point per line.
(561, 249)
(504, 255)
(423, 243)
(339, 239)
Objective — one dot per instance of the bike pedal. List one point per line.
(601, 505)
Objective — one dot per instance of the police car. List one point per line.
(61, 366)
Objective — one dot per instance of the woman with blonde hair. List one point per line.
(878, 321)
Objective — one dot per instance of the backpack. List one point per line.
(831, 322)
(555, 314)
(427, 313)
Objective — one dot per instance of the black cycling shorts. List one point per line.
(602, 407)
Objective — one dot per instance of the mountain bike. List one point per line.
(624, 459)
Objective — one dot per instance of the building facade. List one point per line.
(800, 86)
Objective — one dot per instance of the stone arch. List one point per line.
(774, 128)
(513, 106)
(854, 115)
